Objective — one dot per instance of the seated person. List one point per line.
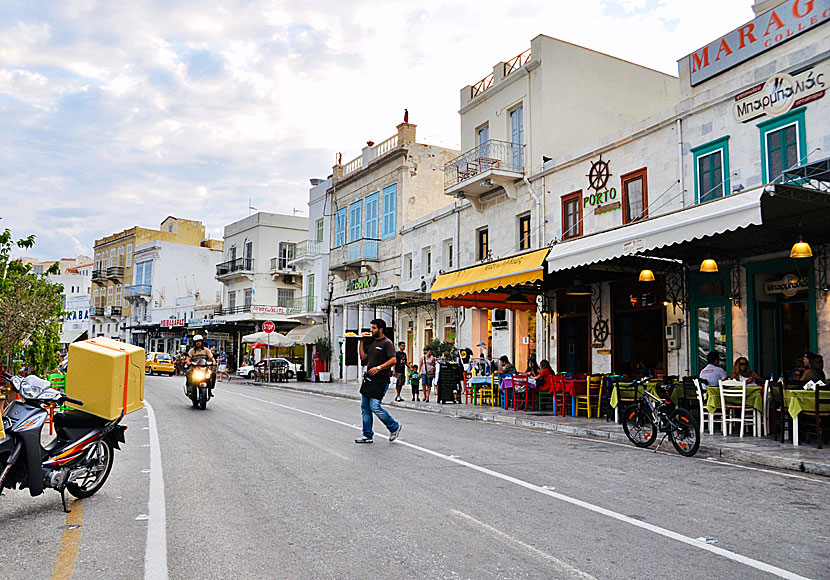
(816, 370)
(544, 378)
(742, 372)
(805, 365)
(505, 366)
(712, 373)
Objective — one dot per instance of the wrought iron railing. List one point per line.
(481, 86)
(237, 265)
(489, 155)
(99, 274)
(221, 311)
(97, 311)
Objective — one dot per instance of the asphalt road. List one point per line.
(269, 484)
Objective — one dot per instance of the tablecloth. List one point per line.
(798, 400)
(754, 398)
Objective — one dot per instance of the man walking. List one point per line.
(400, 369)
(378, 354)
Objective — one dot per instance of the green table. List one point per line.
(628, 392)
(754, 398)
(798, 400)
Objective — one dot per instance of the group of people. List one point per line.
(419, 376)
(713, 373)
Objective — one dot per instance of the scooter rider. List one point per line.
(201, 350)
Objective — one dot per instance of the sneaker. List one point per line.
(394, 434)
(366, 439)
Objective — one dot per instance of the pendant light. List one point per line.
(517, 298)
(801, 249)
(646, 276)
(709, 266)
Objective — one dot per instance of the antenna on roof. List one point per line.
(250, 207)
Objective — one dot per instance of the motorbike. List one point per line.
(198, 384)
(78, 460)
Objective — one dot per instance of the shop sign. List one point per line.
(782, 93)
(195, 322)
(260, 309)
(600, 201)
(170, 335)
(768, 30)
(202, 322)
(789, 285)
(219, 335)
(633, 246)
(172, 322)
(362, 283)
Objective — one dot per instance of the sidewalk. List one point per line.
(760, 451)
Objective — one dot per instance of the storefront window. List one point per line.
(635, 196)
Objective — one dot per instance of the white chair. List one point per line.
(765, 419)
(705, 415)
(734, 389)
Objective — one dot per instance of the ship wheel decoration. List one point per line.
(599, 174)
(601, 330)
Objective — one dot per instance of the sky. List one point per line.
(115, 114)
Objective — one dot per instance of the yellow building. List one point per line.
(113, 270)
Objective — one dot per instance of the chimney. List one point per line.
(406, 133)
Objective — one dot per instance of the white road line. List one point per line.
(155, 554)
(564, 566)
(322, 448)
(728, 554)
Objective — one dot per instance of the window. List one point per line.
(524, 232)
(390, 203)
(712, 170)
(355, 221)
(783, 143)
(143, 273)
(320, 226)
(118, 295)
(572, 215)
(95, 297)
(109, 295)
(231, 300)
(482, 137)
(407, 267)
(517, 137)
(426, 261)
(129, 258)
(120, 256)
(249, 253)
(286, 254)
(285, 297)
(232, 254)
(310, 292)
(249, 298)
(482, 244)
(449, 259)
(372, 216)
(106, 256)
(635, 195)
(340, 228)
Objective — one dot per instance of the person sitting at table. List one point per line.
(806, 365)
(505, 366)
(532, 367)
(712, 373)
(742, 372)
(544, 378)
(816, 370)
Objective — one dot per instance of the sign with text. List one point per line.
(789, 285)
(260, 309)
(268, 326)
(766, 31)
(362, 283)
(782, 93)
(172, 322)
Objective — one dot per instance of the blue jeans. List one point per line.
(369, 406)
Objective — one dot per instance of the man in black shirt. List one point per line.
(400, 369)
(378, 354)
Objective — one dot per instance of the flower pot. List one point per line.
(325, 377)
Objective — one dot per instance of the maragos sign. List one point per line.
(765, 32)
(781, 93)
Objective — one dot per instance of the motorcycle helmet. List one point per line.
(198, 337)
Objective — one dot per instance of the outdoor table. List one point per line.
(478, 383)
(574, 387)
(754, 399)
(507, 383)
(798, 400)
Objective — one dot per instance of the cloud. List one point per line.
(141, 110)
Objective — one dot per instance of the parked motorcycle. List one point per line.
(198, 386)
(78, 460)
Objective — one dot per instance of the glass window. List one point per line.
(249, 298)
(231, 299)
(572, 215)
(635, 195)
(372, 216)
(782, 151)
(118, 295)
(355, 221)
(129, 257)
(449, 258)
(320, 226)
(286, 254)
(109, 295)
(524, 232)
(390, 202)
(407, 266)
(483, 136)
(340, 228)
(710, 171)
(483, 244)
(517, 137)
(285, 297)
(310, 286)
(426, 261)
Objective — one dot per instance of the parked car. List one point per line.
(248, 371)
(159, 362)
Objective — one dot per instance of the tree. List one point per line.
(29, 303)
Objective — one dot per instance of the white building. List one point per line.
(75, 274)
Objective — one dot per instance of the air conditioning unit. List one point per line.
(288, 278)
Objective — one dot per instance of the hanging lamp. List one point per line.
(709, 266)
(646, 276)
(517, 298)
(801, 249)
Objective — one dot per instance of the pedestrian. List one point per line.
(400, 369)
(414, 382)
(712, 374)
(378, 354)
(223, 365)
(483, 353)
(427, 369)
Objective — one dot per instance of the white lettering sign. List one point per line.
(259, 309)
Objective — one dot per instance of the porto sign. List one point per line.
(602, 202)
(362, 283)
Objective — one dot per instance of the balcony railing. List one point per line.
(222, 311)
(113, 310)
(306, 248)
(99, 274)
(354, 252)
(115, 272)
(137, 290)
(281, 265)
(97, 311)
(490, 155)
(238, 265)
(302, 305)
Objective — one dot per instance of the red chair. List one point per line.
(521, 392)
(561, 398)
(469, 392)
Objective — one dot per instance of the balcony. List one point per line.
(302, 305)
(305, 249)
(112, 311)
(355, 255)
(237, 267)
(222, 311)
(282, 266)
(96, 311)
(138, 291)
(115, 272)
(99, 275)
(491, 165)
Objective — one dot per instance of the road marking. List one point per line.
(323, 448)
(576, 572)
(155, 554)
(728, 554)
(64, 567)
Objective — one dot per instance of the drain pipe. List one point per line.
(680, 163)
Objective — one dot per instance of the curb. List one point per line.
(706, 450)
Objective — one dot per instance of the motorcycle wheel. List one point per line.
(638, 426)
(99, 467)
(202, 399)
(684, 433)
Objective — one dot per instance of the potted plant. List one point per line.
(324, 355)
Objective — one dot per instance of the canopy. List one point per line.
(307, 334)
(482, 279)
(71, 336)
(275, 339)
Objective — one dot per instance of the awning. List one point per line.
(307, 334)
(275, 338)
(726, 214)
(390, 296)
(71, 336)
(516, 270)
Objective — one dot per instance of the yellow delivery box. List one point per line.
(107, 375)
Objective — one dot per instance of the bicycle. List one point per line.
(643, 420)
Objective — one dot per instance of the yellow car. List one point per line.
(159, 362)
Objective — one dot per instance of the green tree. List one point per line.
(29, 305)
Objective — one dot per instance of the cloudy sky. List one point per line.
(114, 114)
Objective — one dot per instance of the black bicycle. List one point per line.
(651, 415)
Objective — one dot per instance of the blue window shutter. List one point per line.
(372, 216)
(390, 211)
(340, 228)
(355, 220)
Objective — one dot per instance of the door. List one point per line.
(517, 137)
(712, 333)
(638, 342)
(769, 329)
(573, 345)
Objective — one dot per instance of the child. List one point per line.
(414, 381)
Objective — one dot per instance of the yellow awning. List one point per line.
(521, 269)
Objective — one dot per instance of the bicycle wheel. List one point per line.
(638, 426)
(684, 432)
